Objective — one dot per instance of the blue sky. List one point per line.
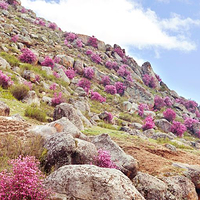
(163, 32)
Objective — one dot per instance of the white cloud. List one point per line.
(121, 21)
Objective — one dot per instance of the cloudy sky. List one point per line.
(163, 32)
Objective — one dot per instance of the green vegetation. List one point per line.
(12, 60)
(19, 91)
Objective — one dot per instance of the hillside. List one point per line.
(65, 96)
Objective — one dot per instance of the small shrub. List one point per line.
(48, 62)
(119, 51)
(40, 22)
(158, 103)
(3, 5)
(189, 122)
(109, 117)
(27, 56)
(19, 91)
(169, 115)
(15, 38)
(168, 101)
(141, 109)
(56, 59)
(56, 74)
(110, 89)
(120, 88)
(53, 26)
(53, 86)
(149, 81)
(178, 128)
(197, 113)
(5, 81)
(93, 42)
(24, 181)
(70, 73)
(96, 96)
(79, 43)
(96, 58)
(71, 37)
(89, 72)
(35, 113)
(111, 65)
(85, 84)
(89, 52)
(57, 99)
(158, 77)
(122, 71)
(191, 106)
(149, 123)
(28, 84)
(105, 80)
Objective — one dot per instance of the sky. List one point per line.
(163, 32)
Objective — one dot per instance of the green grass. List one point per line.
(12, 60)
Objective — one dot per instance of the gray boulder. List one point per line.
(4, 109)
(31, 98)
(126, 163)
(163, 124)
(89, 182)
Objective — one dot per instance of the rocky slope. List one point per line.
(75, 95)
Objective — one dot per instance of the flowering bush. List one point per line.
(96, 58)
(48, 62)
(105, 80)
(110, 89)
(5, 81)
(178, 128)
(93, 42)
(28, 84)
(191, 105)
(197, 113)
(40, 22)
(120, 88)
(23, 10)
(27, 56)
(158, 103)
(57, 59)
(141, 109)
(104, 160)
(169, 115)
(129, 78)
(3, 5)
(122, 71)
(119, 51)
(71, 37)
(15, 38)
(109, 117)
(149, 81)
(88, 72)
(24, 181)
(70, 73)
(189, 122)
(111, 65)
(96, 96)
(57, 99)
(79, 43)
(167, 101)
(85, 84)
(53, 86)
(89, 52)
(158, 77)
(53, 26)
(149, 123)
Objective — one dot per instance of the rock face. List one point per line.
(163, 124)
(4, 109)
(127, 164)
(89, 182)
(67, 110)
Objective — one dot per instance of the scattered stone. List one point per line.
(4, 109)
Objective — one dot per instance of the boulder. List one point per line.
(150, 187)
(4, 64)
(31, 98)
(149, 113)
(196, 128)
(89, 182)
(67, 110)
(126, 106)
(4, 109)
(66, 61)
(82, 104)
(61, 73)
(79, 67)
(163, 124)
(137, 126)
(160, 135)
(149, 133)
(126, 163)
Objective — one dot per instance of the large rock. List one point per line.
(163, 124)
(66, 61)
(126, 163)
(67, 110)
(4, 64)
(196, 128)
(89, 182)
(82, 104)
(150, 187)
(160, 135)
(4, 109)
(79, 67)
(31, 98)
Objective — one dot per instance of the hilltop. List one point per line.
(65, 97)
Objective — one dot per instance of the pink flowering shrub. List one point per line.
(56, 59)
(129, 78)
(79, 43)
(158, 103)
(40, 22)
(88, 72)
(119, 51)
(105, 80)
(29, 84)
(109, 117)
(53, 86)
(85, 84)
(96, 58)
(189, 122)
(27, 56)
(158, 78)
(103, 159)
(23, 181)
(111, 65)
(89, 52)
(3, 5)
(191, 106)
(56, 74)
(169, 114)
(48, 62)
(5, 81)
(15, 38)
(53, 26)
(178, 128)
(23, 10)
(71, 37)
(110, 89)
(149, 81)
(37, 78)
(149, 123)
(97, 97)
(120, 88)
(197, 113)
(57, 99)
(93, 42)
(122, 71)
(141, 109)
(70, 73)
(168, 101)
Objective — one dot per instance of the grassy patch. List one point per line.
(12, 60)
